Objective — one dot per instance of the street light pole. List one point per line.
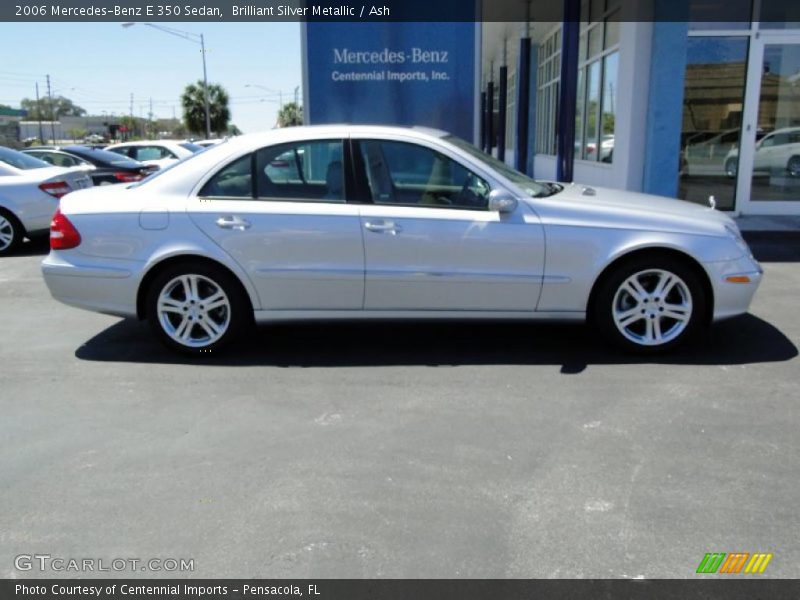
(197, 39)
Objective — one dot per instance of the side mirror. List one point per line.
(502, 201)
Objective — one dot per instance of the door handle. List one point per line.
(381, 226)
(230, 222)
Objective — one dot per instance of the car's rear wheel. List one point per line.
(794, 166)
(11, 232)
(650, 305)
(731, 167)
(196, 308)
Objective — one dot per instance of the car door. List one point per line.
(290, 228)
(430, 241)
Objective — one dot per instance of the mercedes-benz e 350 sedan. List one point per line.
(345, 222)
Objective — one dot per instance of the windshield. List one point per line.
(22, 161)
(535, 189)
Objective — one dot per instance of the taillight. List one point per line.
(56, 188)
(63, 234)
(127, 177)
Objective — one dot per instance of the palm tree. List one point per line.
(194, 111)
(290, 115)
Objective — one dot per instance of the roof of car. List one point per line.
(147, 143)
(311, 131)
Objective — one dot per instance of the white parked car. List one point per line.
(778, 153)
(161, 153)
(29, 193)
(384, 222)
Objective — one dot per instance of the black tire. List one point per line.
(732, 168)
(194, 316)
(652, 313)
(793, 166)
(11, 232)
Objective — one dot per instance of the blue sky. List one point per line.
(98, 65)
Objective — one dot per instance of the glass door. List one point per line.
(769, 165)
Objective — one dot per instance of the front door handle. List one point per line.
(381, 226)
(231, 222)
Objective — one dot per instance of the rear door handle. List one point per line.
(231, 222)
(381, 226)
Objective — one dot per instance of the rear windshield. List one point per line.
(104, 156)
(20, 160)
(192, 147)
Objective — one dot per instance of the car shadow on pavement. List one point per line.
(36, 246)
(743, 340)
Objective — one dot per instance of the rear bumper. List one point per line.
(732, 299)
(96, 287)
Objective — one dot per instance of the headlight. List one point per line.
(738, 239)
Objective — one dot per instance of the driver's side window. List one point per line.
(411, 175)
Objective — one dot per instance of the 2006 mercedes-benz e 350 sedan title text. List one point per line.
(378, 222)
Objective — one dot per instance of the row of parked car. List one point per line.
(33, 180)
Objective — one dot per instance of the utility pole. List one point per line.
(150, 117)
(39, 114)
(296, 92)
(205, 88)
(132, 131)
(52, 110)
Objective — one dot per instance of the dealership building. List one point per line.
(682, 98)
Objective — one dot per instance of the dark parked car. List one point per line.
(102, 166)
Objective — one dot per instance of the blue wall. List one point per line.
(665, 100)
(436, 61)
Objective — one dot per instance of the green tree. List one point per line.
(290, 115)
(76, 134)
(194, 112)
(234, 130)
(44, 110)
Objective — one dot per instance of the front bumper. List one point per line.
(732, 299)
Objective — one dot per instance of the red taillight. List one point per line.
(127, 177)
(55, 188)
(63, 234)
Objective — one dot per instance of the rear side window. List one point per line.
(152, 153)
(233, 181)
(310, 171)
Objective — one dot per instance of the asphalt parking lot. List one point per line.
(386, 450)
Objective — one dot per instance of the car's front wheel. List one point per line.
(650, 305)
(196, 308)
(11, 233)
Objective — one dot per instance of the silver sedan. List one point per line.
(344, 222)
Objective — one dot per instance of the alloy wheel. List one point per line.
(193, 310)
(7, 233)
(652, 307)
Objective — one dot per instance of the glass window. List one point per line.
(595, 112)
(547, 94)
(233, 181)
(413, 175)
(776, 162)
(301, 171)
(20, 160)
(716, 72)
